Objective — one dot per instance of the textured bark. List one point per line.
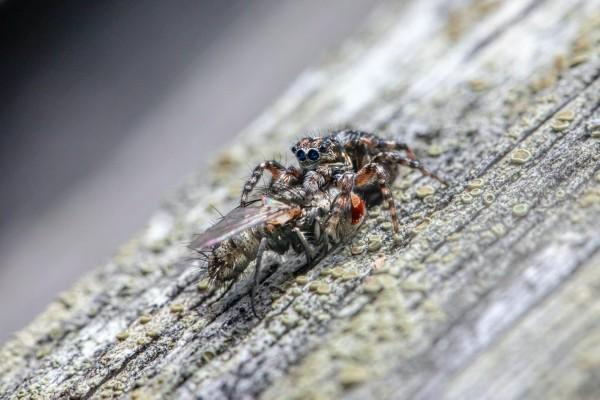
(493, 291)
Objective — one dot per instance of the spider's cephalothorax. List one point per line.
(365, 159)
(314, 152)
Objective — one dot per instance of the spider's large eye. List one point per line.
(313, 154)
(301, 155)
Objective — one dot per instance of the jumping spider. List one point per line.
(305, 211)
(369, 161)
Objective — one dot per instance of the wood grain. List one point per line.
(491, 290)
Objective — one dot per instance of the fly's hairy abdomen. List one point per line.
(230, 258)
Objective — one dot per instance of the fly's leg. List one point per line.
(319, 235)
(276, 170)
(317, 229)
(374, 172)
(308, 249)
(259, 255)
(395, 157)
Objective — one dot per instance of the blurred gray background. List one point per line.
(107, 105)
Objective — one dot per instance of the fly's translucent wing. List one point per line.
(242, 218)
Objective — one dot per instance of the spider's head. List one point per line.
(312, 152)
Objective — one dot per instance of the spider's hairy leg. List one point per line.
(397, 158)
(274, 167)
(372, 144)
(286, 183)
(341, 207)
(374, 172)
(384, 145)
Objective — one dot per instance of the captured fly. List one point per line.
(287, 225)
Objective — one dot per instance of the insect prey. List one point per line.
(276, 224)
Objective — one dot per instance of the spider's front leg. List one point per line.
(393, 157)
(372, 144)
(279, 173)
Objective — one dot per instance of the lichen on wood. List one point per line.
(490, 291)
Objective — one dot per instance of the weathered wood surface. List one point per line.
(493, 293)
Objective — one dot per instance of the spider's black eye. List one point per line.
(313, 154)
(301, 155)
(322, 148)
(293, 149)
